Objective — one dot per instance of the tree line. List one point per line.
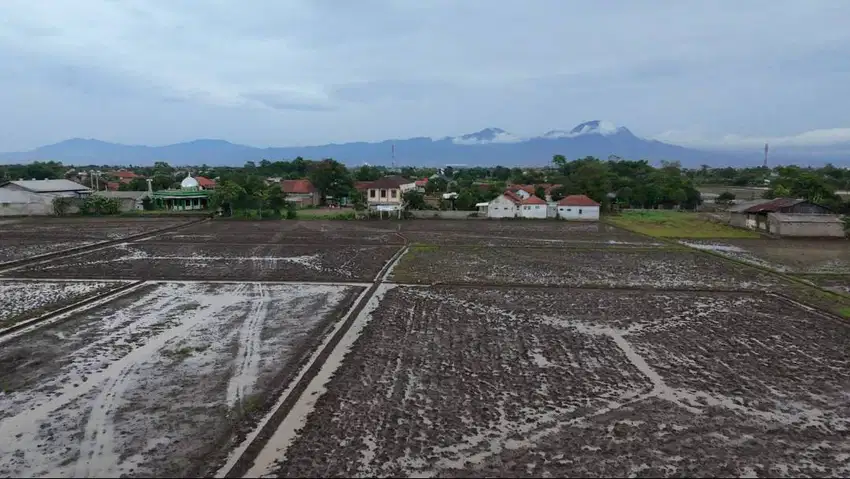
(626, 183)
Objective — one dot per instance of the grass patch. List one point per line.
(423, 248)
(845, 312)
(676, 224)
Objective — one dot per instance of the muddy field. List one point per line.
(21, 300)
(84, 229)
(787, 256)
(196, 261)
(21, 239)
(158, 382)
(285, 232)
(611, 267)
(831, 282)
(478, 382)
(517, 233)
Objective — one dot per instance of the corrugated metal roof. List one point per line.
(804, 218)
(773, 205)
(48, 186)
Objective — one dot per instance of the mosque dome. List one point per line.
(189, 182)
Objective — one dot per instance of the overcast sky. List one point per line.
(301, 72)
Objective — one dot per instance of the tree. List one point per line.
(413, 200)
(331, 178)
(226, 193)
(560, 162)
(358, 200)
(261, 196)
(557, 193)
(540, 192)
(725, 198)
(436, 185)
(276, 198)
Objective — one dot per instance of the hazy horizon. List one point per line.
(709, 75)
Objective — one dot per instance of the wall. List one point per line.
(533, 211)
(578, 212)
(801, 229)
(444, 215)
(502, 207)
(738, 219)
(377, 199)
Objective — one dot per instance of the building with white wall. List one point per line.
(35, 197)
(534, 208)
(578, 207)
(505, 205)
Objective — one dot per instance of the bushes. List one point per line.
(100, 205)
(61, 205)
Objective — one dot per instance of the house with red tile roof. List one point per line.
(301, 192)
(534, 207)
(205, 183)
(506, 205)
(123, 176)
(578, 207)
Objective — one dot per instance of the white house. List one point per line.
(505, 205)
(534, 207)
(35, 197)
(578, 207)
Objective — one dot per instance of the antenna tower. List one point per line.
(765, 155)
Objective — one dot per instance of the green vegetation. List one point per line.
(100, 205)
(676, 224)
(845, 312)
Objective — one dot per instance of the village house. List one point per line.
(788, 217)
(301, 192)
(505, 205)
(35, 197)
(417, 185)
(578, 207)
(385, 195)
(205, 183)
(123, 176)
(534, 208)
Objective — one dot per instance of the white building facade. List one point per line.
(503, 206)
(578, 207)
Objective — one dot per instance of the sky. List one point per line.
(720, 73)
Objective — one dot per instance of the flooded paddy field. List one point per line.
(213, 261)
(158, 382)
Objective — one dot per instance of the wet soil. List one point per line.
(22, 300)
(476, 382)
(156, 383)
(284, 232)
(608, 267)
(143, 260)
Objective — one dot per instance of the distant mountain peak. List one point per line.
(485, 136)
(600, 127)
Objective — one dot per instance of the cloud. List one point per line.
(262, 72)
(814, 138)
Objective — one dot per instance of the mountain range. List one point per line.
(488, 147)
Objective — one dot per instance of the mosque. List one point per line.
(190, 196)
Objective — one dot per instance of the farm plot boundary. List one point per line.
(243, 459)
(840, 303)
(93, 247)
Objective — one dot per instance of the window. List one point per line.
(537, 207)
(383, 193)
(5, 205)
(371, 193)
(569, 209)
(579, 211)
(394, 193)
